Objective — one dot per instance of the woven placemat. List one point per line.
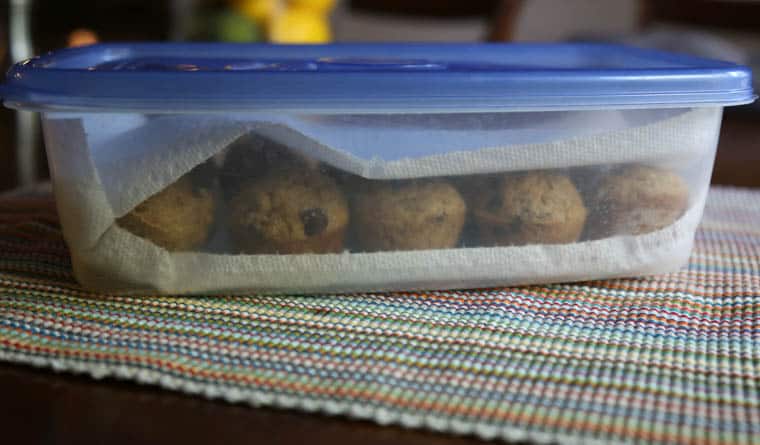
(666, 359)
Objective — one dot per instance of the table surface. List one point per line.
(45, 407)
(41, 407)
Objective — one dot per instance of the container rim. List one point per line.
(366, 78)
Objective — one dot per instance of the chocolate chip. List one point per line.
(314, 221)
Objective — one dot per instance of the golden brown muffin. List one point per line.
(408, 215)
(529, 208)
(252, 156)
(636, 199)
(177, 218)
(288, 212)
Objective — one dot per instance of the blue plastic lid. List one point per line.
(370, 77)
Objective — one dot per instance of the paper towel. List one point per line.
(106, 179)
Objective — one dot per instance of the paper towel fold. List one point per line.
(107, 180)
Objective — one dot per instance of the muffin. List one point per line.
(529, 208)
(288, 212)
(179, 217)
(252, 156)
(636, 199)
(407, 215)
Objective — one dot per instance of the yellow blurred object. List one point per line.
(299, 25)
(82, 37)
(260, 10)
(322, 6)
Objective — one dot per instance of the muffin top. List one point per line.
(292, 205)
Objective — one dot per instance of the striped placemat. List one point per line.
(666, 359)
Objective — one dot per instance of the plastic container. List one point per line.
(227, 168)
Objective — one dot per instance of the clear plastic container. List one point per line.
(230, 168)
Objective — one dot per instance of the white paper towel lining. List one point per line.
(123, 170)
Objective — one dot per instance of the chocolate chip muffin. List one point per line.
(407, 215)
(289, 212)
(252, 156)
(529, 208)
(636, 199)
(181, 216)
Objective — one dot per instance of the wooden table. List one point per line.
(41, 407)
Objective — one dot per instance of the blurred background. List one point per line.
(721, 29)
